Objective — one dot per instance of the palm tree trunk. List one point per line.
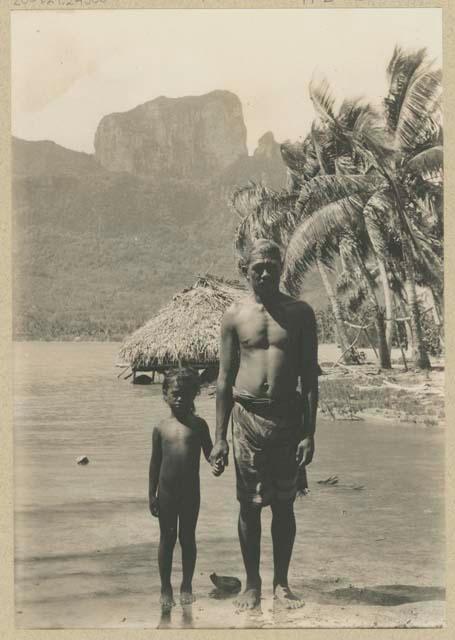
(340, 329)
(419, 353)
(407, 325)
(389, 308)
(384, 353)
(436, 314)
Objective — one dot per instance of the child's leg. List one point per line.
(168, 537)
(188, 515)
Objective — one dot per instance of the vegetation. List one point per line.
(346, 397)
(364, 199)
(97, 253)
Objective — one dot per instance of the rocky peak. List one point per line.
(187, 137)
(268, 148)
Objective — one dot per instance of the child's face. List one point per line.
(179, 398)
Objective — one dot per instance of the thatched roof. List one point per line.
(185, 330)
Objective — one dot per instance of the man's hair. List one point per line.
(186, 378)
(264, 247)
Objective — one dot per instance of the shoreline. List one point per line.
(365, 391)
(350, 393)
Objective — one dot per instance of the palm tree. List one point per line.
(333, 220)
(341, 181)
(413, 148)
(367, 183)
(316, 156)
(413, 119)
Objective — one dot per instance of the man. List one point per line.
(268, 343)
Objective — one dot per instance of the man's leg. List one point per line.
(283, 535)
(250, 543)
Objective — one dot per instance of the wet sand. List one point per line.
(86, 544)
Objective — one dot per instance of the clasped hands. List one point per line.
(219, 457)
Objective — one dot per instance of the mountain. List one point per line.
(102, 240)
(190, 137)
(46, 158)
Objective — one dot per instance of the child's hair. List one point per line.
(186, 377)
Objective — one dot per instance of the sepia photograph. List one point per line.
(228, 318)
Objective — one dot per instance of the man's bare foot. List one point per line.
(186, 595)
(249, 599)
(167, 599)
(284, 598)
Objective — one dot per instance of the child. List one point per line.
(174, 495)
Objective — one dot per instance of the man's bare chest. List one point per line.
(260, 330)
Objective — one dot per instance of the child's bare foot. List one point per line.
(167, 598)
(249, 599)
(284, 598)
(186, 595)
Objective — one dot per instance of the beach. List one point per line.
(369, 550)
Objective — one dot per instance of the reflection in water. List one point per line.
(187, 615)
(166, 617)
(254, 618)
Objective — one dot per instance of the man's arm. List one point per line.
(206, 440)
(229, 364)
(309, 386)
(207, 446)
(154, 471)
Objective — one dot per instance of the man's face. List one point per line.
(264, 273)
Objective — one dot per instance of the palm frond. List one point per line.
(426, 163)
(371, 141)
(323, 100)
(325, 147)
(419, 104)
(345, 165)
(326, 189)
(349, 286)
(351, 110)
(400, 71)
(430, 270)
(378, 215)
(300, 157)
(265, 214)
(247, 199)
(319, 230)
(345, 282)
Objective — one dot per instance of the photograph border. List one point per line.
(7, 623)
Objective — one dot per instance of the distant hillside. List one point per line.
(46, 158)
(97, 251)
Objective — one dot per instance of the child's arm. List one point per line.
(206, 440)
(207, 446)
(154, 471)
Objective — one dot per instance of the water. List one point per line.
(85, 543)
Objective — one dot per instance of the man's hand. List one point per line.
(305, 451)
(219, 457)
(154, 507)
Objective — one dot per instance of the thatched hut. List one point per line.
(184, 332)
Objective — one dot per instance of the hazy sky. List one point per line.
(70, 68)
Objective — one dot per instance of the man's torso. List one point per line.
(270, 346)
